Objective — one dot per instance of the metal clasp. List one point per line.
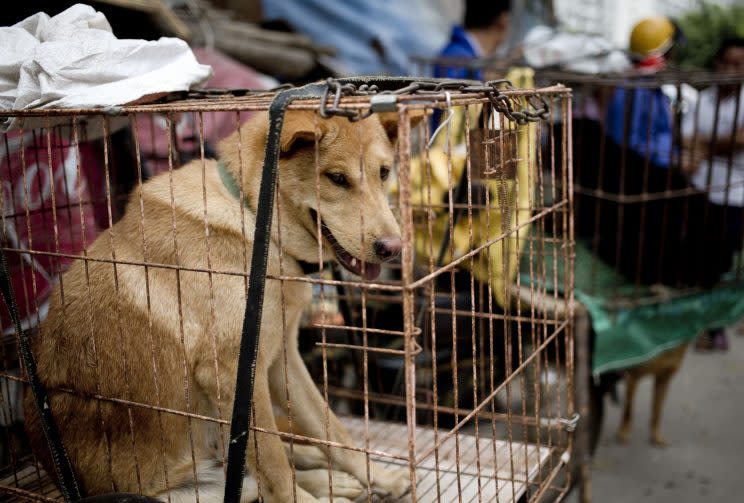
(569, 424)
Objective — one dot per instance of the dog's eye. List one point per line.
(384, 172)
(338, 178)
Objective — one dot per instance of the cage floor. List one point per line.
(505, 469)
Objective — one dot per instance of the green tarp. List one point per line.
(634, 324)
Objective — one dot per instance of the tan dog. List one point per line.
(663, 368)
(170, 338)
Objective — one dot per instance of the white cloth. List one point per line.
(544, 46)
(73, 60)
(720, 167)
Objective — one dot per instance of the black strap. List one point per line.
(65, 475)
(246, 372)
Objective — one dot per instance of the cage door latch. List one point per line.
(383, 103)
(569, 424)
(566, 423)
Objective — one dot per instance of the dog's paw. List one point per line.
(302, 496)
(395, 483)
(622, 436)
(316, 483)
(658, 441)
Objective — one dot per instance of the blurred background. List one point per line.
(289, 39)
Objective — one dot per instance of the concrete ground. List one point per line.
(703, 421)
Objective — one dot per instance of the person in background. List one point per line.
(636, 158)
(485, 28)
(718, 161)
(650, 42)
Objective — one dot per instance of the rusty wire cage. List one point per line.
(455, 365)
(658, 214)
(621, 171)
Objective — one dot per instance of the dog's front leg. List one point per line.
(266, 456)
(308, 413)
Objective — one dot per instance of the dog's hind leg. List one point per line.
(661, 386)
(210, 486)
(623, 433)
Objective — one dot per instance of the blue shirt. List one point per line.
(460, 46)
(657, 141)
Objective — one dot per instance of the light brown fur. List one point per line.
(177, 347)
(663, 368)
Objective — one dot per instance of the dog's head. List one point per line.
(333, 177)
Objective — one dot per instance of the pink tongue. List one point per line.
(371, 271)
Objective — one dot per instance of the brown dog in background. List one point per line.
(662, 368)
(169, 337)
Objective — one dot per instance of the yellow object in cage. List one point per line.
(508, 175)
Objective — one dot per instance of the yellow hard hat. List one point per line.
(652, 36)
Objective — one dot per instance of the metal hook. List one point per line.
(445, 122)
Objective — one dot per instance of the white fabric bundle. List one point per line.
(575, 52)
(73, 60)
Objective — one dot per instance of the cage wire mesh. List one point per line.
(445, 373)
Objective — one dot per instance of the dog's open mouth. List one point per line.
(366, 270)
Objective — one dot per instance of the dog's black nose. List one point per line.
(388, 248)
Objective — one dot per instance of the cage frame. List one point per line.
(406, 104)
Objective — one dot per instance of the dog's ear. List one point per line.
(299, 132)
(389, 121)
